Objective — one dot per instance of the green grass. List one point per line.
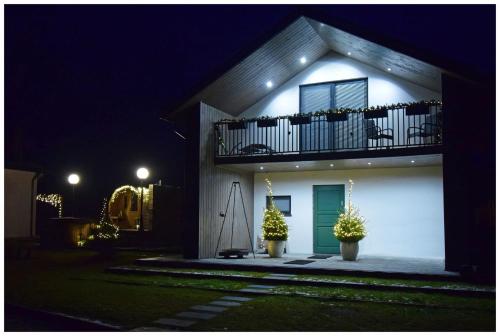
(74, 282)
(302, 314)
(394, 282)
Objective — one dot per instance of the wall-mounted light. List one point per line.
(412, 161)
(369, 163)
(297, 166)
(261, 168)
(331, 164)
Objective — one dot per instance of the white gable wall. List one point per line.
(403, 208)
(383, 88)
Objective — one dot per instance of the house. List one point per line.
(423, 172)
(20, 202)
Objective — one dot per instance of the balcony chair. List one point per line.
(431, 127)
(374, 132)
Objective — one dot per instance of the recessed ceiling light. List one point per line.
(269, 84)
(331, 164)
(369, 163)
(348, 53)
(389, 69)
(261, 168)
(297, 166)
(303, 60)
(412, 161)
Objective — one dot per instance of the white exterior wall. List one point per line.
(18, 202)
(383, 88)
(403, 208)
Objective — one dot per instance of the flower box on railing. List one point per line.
(375, 113)
(300, 120)
(417, 109)
(234, 125)
(331, 117)
(270, 122)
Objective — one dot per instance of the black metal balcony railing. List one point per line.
(402, 127)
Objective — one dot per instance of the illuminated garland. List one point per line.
(274, 226)
(54, 200)
(104, 229)
(124, 189)
(350, 225)
(343, 110)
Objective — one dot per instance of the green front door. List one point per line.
(328, 199)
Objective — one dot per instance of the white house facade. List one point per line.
(315, 106)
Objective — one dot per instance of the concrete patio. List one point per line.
(371, 265)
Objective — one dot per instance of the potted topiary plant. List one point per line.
(274, 228)
(349, 229)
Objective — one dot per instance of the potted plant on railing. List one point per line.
(417, 108)
(300, 119)
(349, 229)
(274, 228)
(237, 124)
(375, 112)
(336, 115)
(267, 122)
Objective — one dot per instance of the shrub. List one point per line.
(274, 227)
(350, 226)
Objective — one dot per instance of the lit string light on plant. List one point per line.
(54, 200)
(274, 226)
(350, 225)
(104, 229)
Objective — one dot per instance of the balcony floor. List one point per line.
(362, 163)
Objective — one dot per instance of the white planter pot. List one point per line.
(275, 248)
(349, 251)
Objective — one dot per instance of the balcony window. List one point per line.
(321, 135)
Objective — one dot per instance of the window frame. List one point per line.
(332, 99)
(287, 197)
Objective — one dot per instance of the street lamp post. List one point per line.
(142, 174)
(73, 179)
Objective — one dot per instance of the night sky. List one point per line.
(85, 85)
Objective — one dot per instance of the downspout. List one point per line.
(33, 200)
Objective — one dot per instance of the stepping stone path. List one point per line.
(205, 312)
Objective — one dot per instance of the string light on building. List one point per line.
(54, 200)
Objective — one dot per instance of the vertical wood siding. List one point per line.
(214, 188)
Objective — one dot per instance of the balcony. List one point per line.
(403, 129)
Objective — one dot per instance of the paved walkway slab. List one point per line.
(175, 322)
(225, 303)
(254, 291)
(140, 329)
(196, 315)
(213, 309)
(261, 286)
(236, 298)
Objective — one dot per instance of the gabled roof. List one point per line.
(277, 59)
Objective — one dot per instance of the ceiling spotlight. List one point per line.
(261, 168)
(303, 60)
(349, 53)
(389, 69)
(269, 84)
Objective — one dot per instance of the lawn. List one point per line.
(75, 283)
